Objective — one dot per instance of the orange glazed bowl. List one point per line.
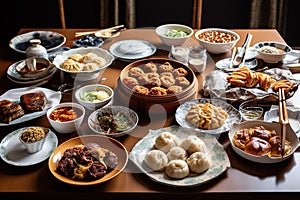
(156, 85)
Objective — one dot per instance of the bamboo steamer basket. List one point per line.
(155, 104)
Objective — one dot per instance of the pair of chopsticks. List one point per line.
(283, 117)
(78, 34)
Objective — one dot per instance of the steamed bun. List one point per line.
(165, 141)
(193, 144)
(156, 160)
(198, 162)
(177, 169)
(177, 153)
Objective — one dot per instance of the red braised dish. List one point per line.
(64, 114)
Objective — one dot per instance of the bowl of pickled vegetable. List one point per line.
(174, 34)
(94, 96)
(113, 121)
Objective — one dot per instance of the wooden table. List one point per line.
(244, 179)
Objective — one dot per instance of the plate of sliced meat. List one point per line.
(24, 104)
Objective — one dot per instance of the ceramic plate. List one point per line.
(53, 98)
(14, 76)
(13, 151)
(182, 110)
(104, 142)
(50, 40)
(220, 161)
(224, 64)
(132, 49)
(294, 118)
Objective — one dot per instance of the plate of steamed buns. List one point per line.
(179, 156)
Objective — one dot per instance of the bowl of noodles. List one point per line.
(84, 63)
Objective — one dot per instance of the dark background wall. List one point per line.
(149, 13)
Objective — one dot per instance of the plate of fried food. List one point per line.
(24, 104)
(244, 84)
(212, 116)
(178, 156)
(259, 141)
(88, 160)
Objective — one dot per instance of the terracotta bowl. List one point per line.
(142, 103)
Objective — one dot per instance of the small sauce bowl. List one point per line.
(250, 111)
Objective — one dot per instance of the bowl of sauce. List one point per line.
(66, 117)
(34, 67)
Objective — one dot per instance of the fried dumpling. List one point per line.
(165, 141)
(177, 153)
(193, 144)
(177, 169)
(156, 160)
(198, 162)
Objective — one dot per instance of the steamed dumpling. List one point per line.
(193, 144)
(198, 162)
(165, 141)
(177, 169)
(156, 160)
(177, 153)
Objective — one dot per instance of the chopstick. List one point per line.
(283, 118)
(232, 57)
(77, 34)
(247, 47)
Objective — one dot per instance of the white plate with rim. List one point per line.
(132, 49)
(49, 39)
(224, 64)
(234, 115)
(219, 158)
(53, 98)
(13, 152)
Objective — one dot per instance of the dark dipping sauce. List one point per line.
(39, 67)
(65, 114)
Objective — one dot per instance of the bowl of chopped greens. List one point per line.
(174, 34)
(94, 96)
(113, 121)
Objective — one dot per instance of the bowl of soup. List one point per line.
(66, 117)
(272, 52)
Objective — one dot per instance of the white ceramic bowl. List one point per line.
(130, 116)
(290, 136)
(176, 41)
(84, 75)
(68, 126)
(294, 118)
(34, 146)
(270, 56)
(93, 105)
(218, 43)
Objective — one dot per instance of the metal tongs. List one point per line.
(283, 117)
(239, 58)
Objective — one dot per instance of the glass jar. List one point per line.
(36, 50)
(197, 58)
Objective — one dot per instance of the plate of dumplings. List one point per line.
(211, 116)
(179, 156)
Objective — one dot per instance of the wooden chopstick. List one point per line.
(283, 118)
(232, 57)
(102, 30)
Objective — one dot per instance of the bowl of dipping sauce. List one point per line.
(250, 111)
(66, 117)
